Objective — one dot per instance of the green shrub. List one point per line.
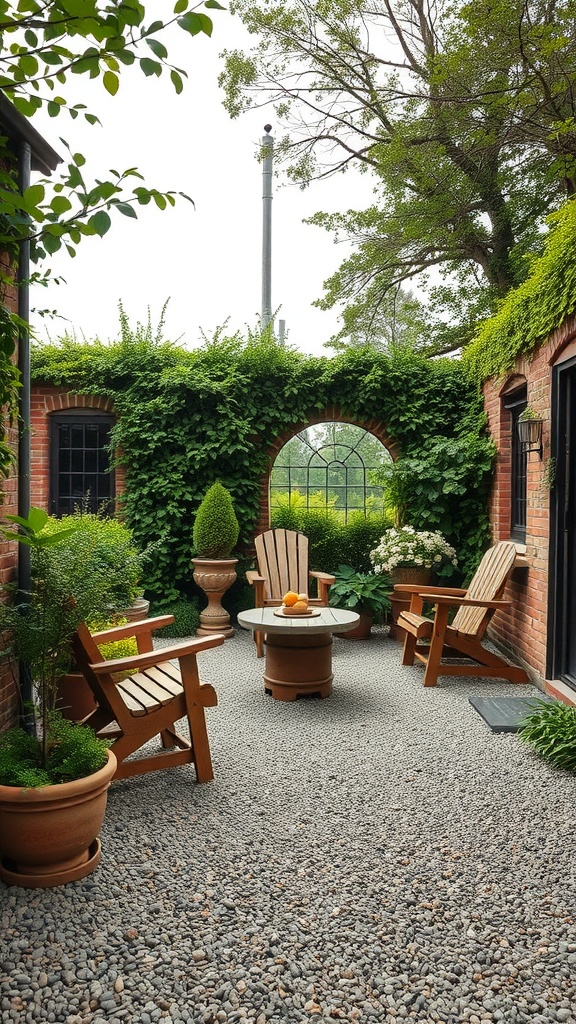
(551, 730)
(74, 752)
(216, 527)
(331, 541)
(186, 618)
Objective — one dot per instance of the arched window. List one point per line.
(80, 473)
(330, 464)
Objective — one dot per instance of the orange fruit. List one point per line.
(300, 607)
(290, 599)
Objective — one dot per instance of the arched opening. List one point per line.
(329, 465)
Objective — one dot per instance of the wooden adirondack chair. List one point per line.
(154, 696)
(462, 639)
(282, 566)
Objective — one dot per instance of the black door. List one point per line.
(563, 546)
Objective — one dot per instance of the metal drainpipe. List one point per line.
(267, 162)
(24, 170)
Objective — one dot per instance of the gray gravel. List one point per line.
(377, 856)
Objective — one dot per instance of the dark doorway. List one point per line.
(562, 626)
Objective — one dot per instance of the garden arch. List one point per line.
(328, 415)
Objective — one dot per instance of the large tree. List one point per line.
(465, 114)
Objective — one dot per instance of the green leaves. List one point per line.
(550, 728)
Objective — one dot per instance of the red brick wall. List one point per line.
(522, 631)
(45, 400)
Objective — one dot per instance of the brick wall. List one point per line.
(522, 631)
(44, 401)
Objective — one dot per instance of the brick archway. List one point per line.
(44, 402)
(330, 414)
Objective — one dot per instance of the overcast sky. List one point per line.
(206, 259)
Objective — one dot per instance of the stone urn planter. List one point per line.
(214, 576)
(49, 836)
(413, 575)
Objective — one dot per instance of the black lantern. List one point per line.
(530, 434)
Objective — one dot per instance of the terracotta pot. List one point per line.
(401, 602)
(362, 630)
(214, 576)
(49, 836)
(137, 611)
(75, 700)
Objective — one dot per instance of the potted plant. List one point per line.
(366, 593)
(214, 536)
(409, 556)
(54, 780)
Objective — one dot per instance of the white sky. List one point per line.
(207, 259)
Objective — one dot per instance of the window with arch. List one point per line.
(80, 473)
(330, 465)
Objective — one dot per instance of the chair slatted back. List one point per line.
(487, 584)
(283, 561)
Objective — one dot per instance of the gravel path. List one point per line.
(377, 856)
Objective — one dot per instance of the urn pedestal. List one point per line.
(214, 576)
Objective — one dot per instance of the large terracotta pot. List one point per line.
(75, 700)
(49, 836)
(362, 630)
(214, 576)
(401, 602)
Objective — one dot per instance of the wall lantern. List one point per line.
(530, 433)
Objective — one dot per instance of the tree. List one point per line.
(464, 112)
(44, 44)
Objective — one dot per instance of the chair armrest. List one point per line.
(467, 602)
(140, 661)
(131, 629)
(325, 577)
(253, 577)
(421, 588)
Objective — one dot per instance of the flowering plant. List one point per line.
(409, 547)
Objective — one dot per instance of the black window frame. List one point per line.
(80, 417)
(515, 402)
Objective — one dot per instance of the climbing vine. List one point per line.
(187, 419)
(530, 312)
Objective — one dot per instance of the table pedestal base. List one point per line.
(298, 664)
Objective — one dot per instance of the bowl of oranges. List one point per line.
(295, 604)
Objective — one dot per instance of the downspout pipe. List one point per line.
(24, 578)
(267, 164)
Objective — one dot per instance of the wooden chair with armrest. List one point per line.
(282, 557)
(144, 695)
(462, 639)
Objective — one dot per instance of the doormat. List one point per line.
(504, 714)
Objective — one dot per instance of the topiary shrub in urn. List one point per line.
(214, 536)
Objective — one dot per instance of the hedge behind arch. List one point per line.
(187, 418)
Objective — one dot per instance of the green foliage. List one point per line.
(43, 47)
(216, 527)
(187, 417)
(186, 619)
(361, 592)
(535, 308)
(330, 538)
(550, 728)
(74, 752)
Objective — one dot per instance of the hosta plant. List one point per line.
(550, 728)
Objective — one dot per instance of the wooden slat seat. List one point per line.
(144, 695)
(282, 557)
(462, 639)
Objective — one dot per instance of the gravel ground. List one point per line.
(377, 856)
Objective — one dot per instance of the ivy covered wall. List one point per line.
(187, 418)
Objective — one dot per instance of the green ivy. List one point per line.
(189, 418)
(530, 312)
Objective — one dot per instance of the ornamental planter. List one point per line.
(214, 576)
(415, 575)
(49, 836)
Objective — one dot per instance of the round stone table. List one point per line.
(298, 649)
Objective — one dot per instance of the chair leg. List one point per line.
(259, 638)
(200, 744)
(436, 646)
(409, 648)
